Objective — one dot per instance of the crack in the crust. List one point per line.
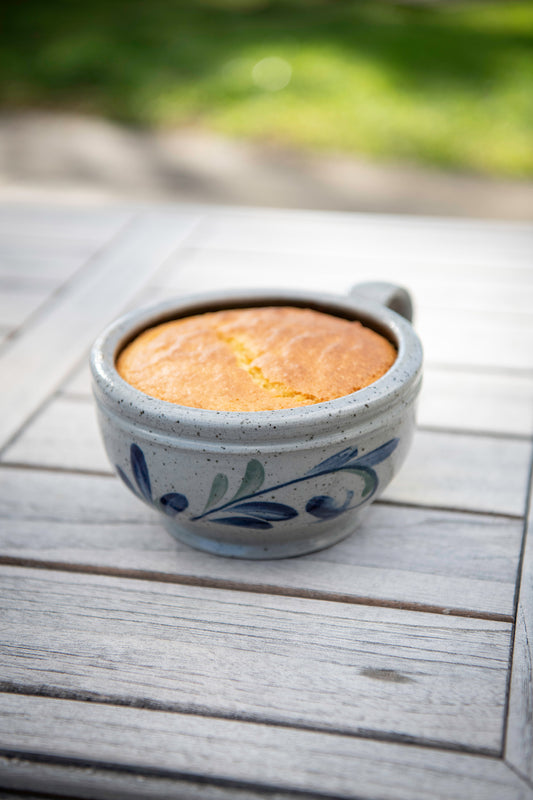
(245, 358)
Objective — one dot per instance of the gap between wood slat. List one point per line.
(220, 583)
(486, 434)
(159, 772)
(97, 780)
(528, 513)
(173, 785)
(528, 526)
(61, 470)
(54, 774)
(150, 705)
(72, 394)
(518, 774)
(446, 509)
(469, 369)
(121, 265)
(64, 286)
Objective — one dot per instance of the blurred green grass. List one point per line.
(449, 85)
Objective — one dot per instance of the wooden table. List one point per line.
(396, 664)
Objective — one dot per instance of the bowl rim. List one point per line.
(400, 382)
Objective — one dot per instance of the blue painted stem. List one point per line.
(288, 483)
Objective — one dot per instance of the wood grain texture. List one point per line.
(46, 245)
(282, 660)
(64, 434)
(476, 402)
(519, 745)
(460, 285)
(362, 236)
(246, 756)
(398, 555)
(17, 304)
(468, 472)
(4, 332)
(224, 679)
(38, 361)
(64, 222)
(477, 473)
(477, 339)
(116, 783)
(79, 382)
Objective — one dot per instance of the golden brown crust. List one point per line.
(255, 359)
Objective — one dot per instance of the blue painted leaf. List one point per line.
(252, 481)
(244, 522)
(334, 462)
(219, 487)
(379, 454)
(124, 478)
(324, 507)
(173, 503)
(140, 471)
(368, 475)
(269, 511)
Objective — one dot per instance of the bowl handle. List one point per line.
(387, 294)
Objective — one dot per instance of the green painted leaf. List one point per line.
(368, 475)
(252, 481)
(219, 487)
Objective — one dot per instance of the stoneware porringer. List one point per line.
(262, 484)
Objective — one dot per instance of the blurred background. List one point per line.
(414, 107)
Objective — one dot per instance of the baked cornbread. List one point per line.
(255, 359)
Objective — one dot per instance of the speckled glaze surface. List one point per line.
(263, 484)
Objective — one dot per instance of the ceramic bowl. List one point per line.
(263, 484)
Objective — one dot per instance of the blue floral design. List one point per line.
(171, 504)
(246, 511)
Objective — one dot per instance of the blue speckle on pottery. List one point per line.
(263, 484)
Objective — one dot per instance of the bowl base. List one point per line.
(263, 550)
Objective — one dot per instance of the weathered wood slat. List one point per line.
(519, 745)
(472, 291)
(477, 338)
(33, 262)
(79, 382)
(48, 272)
(84, 222)
(461, 286)
(467, 472)
(367, 235)
(283, 660)
(117, 783)
(453, 471)
(482, 402)
(399, 555)
(4, 333)
(17, 304)
(65, 434)
(236, 755)
(50, 244)
(38, 361)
